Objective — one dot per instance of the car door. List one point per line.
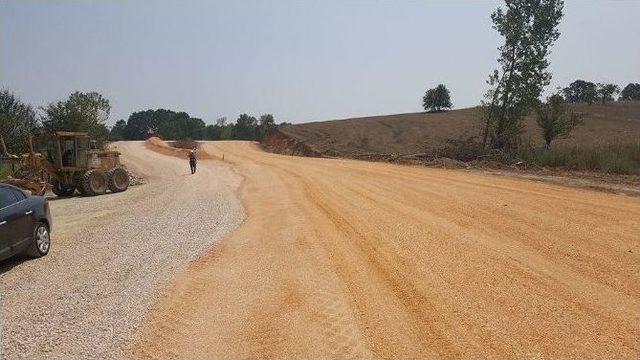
(6, 201)
(24, 221)
(17, 217)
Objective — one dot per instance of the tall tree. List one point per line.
(607, 91)
(17, 121)
(211, 132)
(581, 91)
(529, 28)
(118, 130)
(266, 123)
(437, 99)
(141, 124)
(246, 127)
(226, 129)
(165, 123)
(556, 120)
(86, 112)
(180, 126)
(630, 92)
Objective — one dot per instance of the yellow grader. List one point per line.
(65, 162)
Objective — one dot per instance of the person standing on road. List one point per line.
(193, 161)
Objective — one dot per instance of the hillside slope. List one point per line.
(421, 132)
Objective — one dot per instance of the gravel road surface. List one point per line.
(109, 255)
(341, 258)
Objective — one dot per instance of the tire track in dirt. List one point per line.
(349, 259)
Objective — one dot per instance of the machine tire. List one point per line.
(60, 190)
(118, 179)
(79, 186)
(94, 182)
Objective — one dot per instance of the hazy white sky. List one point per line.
(300, 60)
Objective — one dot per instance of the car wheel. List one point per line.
(41, 241)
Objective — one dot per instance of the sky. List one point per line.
(299, 60)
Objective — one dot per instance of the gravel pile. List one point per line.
(136, 179)
(110, 255)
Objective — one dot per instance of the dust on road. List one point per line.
(341, 258)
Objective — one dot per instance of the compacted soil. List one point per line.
(342, 258)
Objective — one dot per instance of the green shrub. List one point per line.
(611, 158)
(6, 170)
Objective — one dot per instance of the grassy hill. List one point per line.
(616, 122)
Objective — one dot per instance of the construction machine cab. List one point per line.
(66, 151)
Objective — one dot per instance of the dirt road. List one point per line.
(109, 256)
(340, 258)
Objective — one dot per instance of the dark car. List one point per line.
(25, 223)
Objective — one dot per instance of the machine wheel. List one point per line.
(118, 179)
(94, 182)
(79, 186)
(61, 190)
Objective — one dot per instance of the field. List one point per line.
(426, 132)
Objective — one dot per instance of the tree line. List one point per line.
(439, 98)
(589, 92)
(169, 124)
(89, 112)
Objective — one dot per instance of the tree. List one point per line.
(581, 91)
(630, 92)
(437, 99)
(118, 130)
(86, 112)
(141, 125)
(607, 91)
(17, 122)
(246, 127)
(212, 132)
(180, 126)
(556, 120)
(226, 129)
(167, 124)
(267, 122)
(529, 29)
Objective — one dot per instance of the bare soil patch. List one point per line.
(158, 145)
(351, 259)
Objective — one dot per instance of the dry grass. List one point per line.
(423, 132)
(610, 158)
